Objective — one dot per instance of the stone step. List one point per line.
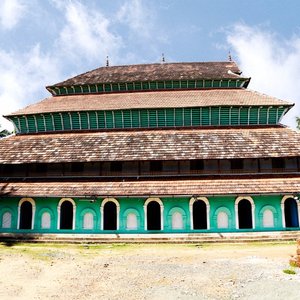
(153, 238)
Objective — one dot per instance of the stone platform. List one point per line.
(241, 237)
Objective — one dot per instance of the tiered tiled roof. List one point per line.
(153, 72)
(161, 99)
(153, 188)
(167, 144)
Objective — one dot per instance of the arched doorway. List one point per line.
(110, 216)
(199, 214)
(291, 213)
(153, 216)
(66, 215)
(26, 215)
(245, 214)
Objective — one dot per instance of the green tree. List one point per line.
(298, 122)
(4, 132)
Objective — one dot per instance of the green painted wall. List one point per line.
(135, 205)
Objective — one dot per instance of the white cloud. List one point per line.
(86, 34)
(137, 16)
(22, 78)
(11, 12)
(272, 62)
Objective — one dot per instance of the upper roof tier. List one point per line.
(153, 72)
(151, 95)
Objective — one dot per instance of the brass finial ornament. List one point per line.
(229, 56)
(107, 61)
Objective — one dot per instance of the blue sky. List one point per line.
(44, 42)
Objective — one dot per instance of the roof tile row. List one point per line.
(153, 188)
(172, 144)
(147, 100)
(154, 72)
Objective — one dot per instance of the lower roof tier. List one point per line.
(152, 188)
(216, 107)
(143, 145)
(152, 100)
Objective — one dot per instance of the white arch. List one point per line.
(194, 199)
(161, 211)
(284, 198)
(237, 200)
(33, 210)
(58, 211)
(102, 211)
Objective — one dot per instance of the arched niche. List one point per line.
(223, 218)
(177, 218)
(268, 216)
(88, 219)
(131, 219)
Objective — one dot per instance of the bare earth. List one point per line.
(218, 271)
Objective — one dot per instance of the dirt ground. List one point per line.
(164, 271)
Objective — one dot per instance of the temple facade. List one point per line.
(170, 148)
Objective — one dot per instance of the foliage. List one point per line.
(298, 122)
(289, 271)
(4, 132)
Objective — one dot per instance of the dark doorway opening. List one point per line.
(245, 214)
(291, 213)
(153, 216)
(26, 215)
(199, 215)
(66, 215)
(110, 216)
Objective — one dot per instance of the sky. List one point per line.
(45, 42)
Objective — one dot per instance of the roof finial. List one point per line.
(163, 58)
(107, 61)
(229, 56)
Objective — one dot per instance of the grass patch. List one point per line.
(289, 271)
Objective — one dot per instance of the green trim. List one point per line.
(148, 85)
(149, 118)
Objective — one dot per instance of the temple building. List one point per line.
(168, 147)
